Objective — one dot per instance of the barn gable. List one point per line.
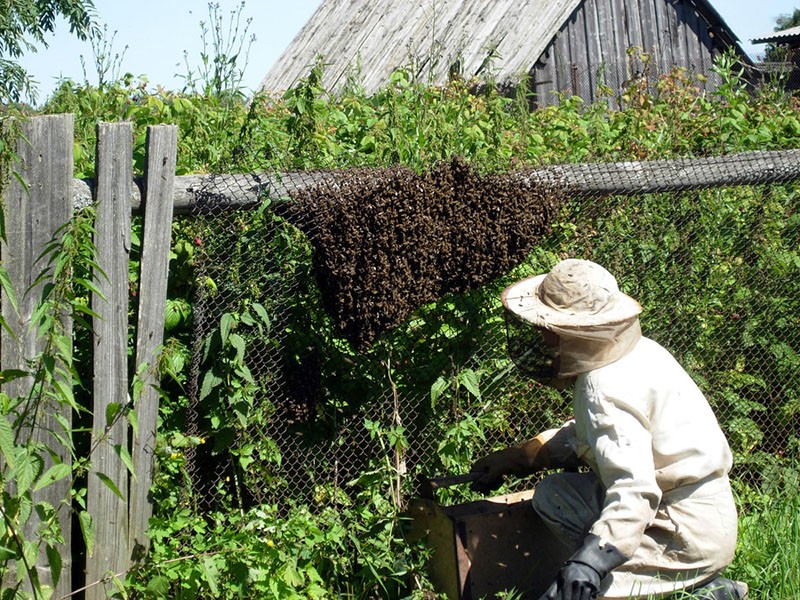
(592, 45)
(555, 42)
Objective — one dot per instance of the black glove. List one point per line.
(580, 577)
(493, 469)
(487, 483)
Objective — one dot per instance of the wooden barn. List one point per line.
(567, 46)
(787, 41)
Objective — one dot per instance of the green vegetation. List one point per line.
(707, 271)
(780, 52)
(34, 431)
(23, 24)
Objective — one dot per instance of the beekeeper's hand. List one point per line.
(493, 469)
(580, 577)
(525, 459)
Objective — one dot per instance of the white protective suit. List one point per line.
(661, 493)
(658, 490)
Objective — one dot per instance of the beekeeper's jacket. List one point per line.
(650, 436)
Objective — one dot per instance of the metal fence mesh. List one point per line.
(716, 269)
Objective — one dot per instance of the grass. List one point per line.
(768, 553)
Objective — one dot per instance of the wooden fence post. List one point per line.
(162, 148)
(32, 217)
(109, 510)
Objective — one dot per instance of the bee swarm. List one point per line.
(387, 241)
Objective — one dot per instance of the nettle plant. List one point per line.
(38, 442)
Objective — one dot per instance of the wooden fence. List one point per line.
(35, 211)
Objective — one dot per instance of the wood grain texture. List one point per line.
(162, 148)
(110, 384)
(33, 216)
(372, 38)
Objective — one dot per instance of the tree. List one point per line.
(23, 25)
(779, 52)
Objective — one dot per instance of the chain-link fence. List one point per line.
(347, 304)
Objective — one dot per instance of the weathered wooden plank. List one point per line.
(561, 62)
(544, 80)
(636, 65)
(707, 46)
(112, 240)
(189, 191)
(649, 29)
(595, 59)
(663, 14)
(529, 29)
(607, 40)
(578, 55)
(694, 48)
(633, 20)
(681, 33)
(162, 148)
(619, 33)
(32, 218)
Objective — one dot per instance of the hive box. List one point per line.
(484, 547)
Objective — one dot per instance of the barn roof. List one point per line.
(375, 37)
(785, 36)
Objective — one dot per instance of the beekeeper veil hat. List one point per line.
(581, 302)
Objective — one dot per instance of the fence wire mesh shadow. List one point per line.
(322, 316)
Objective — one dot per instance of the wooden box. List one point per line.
(488, 546)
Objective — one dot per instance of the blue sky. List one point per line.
(154, 34)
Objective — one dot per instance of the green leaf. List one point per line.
(87, 529)
(25, 509)
(7, 442)
(469, 379)
(10, 375)
(437, 389)
(30, 550)
(125, 457)
(110, 484)
(29, 467)
(55, 473)
(238, 343)
(54, 560)
(90, 286)
(112, 410)
(210, 381)
(291, 576)
(262, 314)
(133, 422)
(157, 587)
(175, 312)
(210, 572)
(227, 323)
(7, 288)
(65, 393)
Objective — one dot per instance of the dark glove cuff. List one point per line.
(601, 557)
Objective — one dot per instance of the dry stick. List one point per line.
(399, 462)
(134, 568)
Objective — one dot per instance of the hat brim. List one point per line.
(522, 299)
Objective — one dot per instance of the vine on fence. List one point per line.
(39, 445)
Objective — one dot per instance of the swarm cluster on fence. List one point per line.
(387, 241)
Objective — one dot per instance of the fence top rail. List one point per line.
(599, 179)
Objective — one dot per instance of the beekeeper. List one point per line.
(654, 512)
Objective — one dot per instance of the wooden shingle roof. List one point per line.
(375, 37)
(382, 35)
